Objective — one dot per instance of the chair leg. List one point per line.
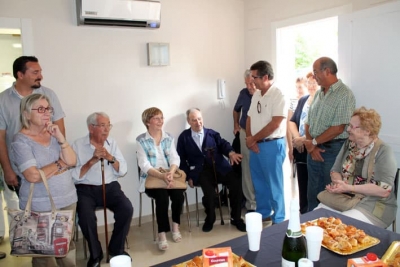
(197, 209)
(187, 212)
(84, 247)
(126, 243)
(153, 217)
(229, 202)
(140, 209)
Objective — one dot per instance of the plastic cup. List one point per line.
(253, 222)
(254, 240)
(314, 235)
(120, 261)
(254, 228)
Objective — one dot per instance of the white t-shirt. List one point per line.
(273, 103)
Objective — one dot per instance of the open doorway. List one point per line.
(298, 45)
(10, 49)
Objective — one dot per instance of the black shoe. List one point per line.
(2, 255)
(95, 262)
(240, 225)
(207, 227)
(123, 253)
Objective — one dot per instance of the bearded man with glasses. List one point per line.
(265, 131)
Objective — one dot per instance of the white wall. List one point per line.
(99, 68)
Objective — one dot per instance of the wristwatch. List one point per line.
(112, 161)
(314, 142)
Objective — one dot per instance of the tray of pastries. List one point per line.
(392, 255)
(197, 261)
(341, 238)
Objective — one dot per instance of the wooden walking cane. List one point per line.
(211, 154)
(105, 208)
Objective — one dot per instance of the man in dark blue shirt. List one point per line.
(239, 119)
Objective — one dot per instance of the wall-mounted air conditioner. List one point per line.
(128, 13)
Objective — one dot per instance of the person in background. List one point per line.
(197, 146)
(300, 92)
(265, 132)
(239, 120)
(328, 115)
(156, 149)
(296, 128)
(91, 150)
(350, 171)
(40, 144)
(28, 75)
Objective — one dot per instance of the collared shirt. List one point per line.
(198, 137)
(331, 109)
(242, 105)
(151, 156)
(10, 101)
(272, 104)
(84, 151)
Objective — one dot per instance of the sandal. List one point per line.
(162, 244)
(176, 236)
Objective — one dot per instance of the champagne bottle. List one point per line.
(294, 245)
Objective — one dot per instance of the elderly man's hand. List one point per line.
(235, 158)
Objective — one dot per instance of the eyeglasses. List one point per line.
(352, 127)
(104, 126)
(255, 77)
(43, 109)
(258, 107)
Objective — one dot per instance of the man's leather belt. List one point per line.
(268, 139)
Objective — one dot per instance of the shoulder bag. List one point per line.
(40, 234)
(347, 201)
(153, 182)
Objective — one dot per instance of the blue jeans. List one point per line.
(267, 175)
(319, 172)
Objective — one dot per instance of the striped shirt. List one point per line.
(331, 109)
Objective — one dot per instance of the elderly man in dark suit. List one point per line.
(197, 146)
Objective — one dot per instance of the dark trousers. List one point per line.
(302, 181)
(90, 197)
(162, 196)
(208, 185)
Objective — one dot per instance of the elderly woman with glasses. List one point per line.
(156, 149)
(352, 172)
(40, 145)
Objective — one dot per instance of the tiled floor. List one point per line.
(144, 251)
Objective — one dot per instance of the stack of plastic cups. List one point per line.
(254, 229)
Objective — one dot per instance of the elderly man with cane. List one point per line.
(202, 154)
(99, 158)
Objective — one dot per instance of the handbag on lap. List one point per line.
(40, 234)
(153, 182)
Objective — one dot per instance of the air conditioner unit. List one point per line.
(128, 13)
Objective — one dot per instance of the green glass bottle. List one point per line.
(294, 245)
